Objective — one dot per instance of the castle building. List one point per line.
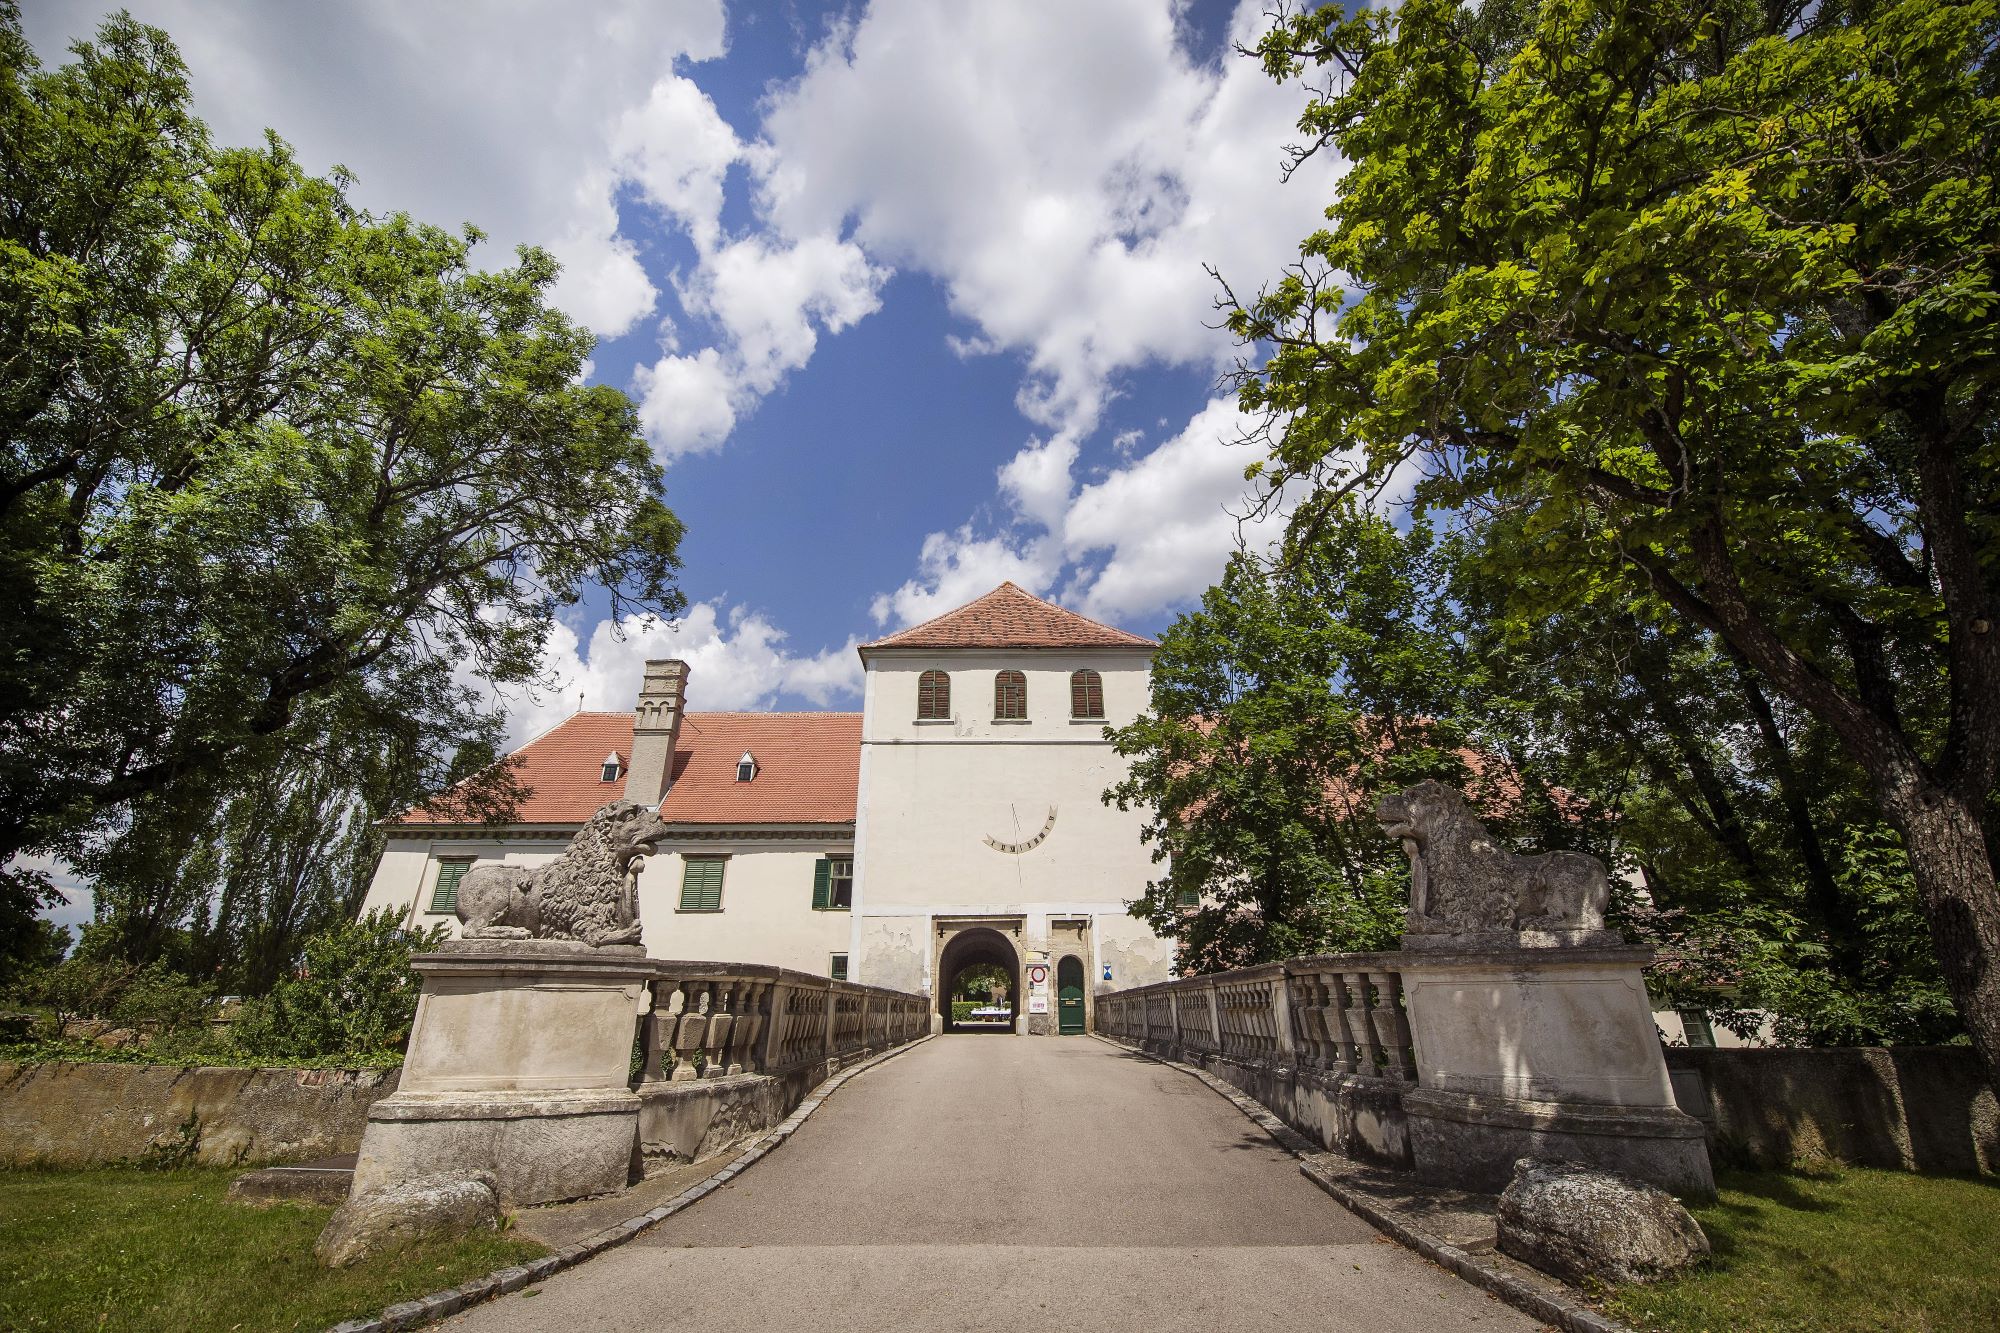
(956, 820)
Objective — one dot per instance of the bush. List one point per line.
(154, 999)
(354, 995)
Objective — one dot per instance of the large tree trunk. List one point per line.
(1953, 867)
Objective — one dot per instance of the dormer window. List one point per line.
(746, 767)
(614, 768)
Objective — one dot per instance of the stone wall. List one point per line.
(1921, 1108)
(70, 1115)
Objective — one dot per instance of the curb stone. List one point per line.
(1542, 1297)
(506, 1281)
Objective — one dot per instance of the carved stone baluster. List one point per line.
(691, 1033)
(1392, 1025)
(653, 1036)
(720, 1023)
(1368, 1056)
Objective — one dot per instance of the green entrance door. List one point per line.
(1069, 996)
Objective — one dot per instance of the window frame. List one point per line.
(934, 696)
(688, 864)
(463, 864)
(1091, 683)
(1002, 680)
(836, 967)
(824, 898)
(610, 771)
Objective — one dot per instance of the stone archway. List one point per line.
(969, 948)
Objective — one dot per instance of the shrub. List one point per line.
(354, 994)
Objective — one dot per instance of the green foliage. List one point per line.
(124, 1250)
(354, 994)
(975, 983)
(274, 468)
(1281, 711)
(154, 998)
(1687, 312)
(1841, 1251)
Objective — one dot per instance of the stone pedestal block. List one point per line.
(1542, 1052)
(519, 1064)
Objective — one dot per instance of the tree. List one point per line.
(1704, 296)
(1281, 711)
(268, 459)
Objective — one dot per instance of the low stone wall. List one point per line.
(695, 1119)
(71, 1115)
(1351, 1114)
(1918, 1108)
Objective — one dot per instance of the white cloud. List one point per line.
(687, 403)
(1065, 173)
(677, 148)
(1150, 535)
(736, 659)
(503, 115)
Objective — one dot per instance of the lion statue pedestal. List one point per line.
(1533, 1033)
(520, 1055)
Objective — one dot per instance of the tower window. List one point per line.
(1086, 694)
(746, 767)
(933, 696)
(1010, 695)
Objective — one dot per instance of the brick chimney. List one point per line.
(662, 699)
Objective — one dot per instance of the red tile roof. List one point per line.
(808, 769)
(1009, 617)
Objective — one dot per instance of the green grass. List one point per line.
(1836, 1250)
(120, 1248)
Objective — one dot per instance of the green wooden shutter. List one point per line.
(701, 885)
(1187, 898)
(444, 894)
(822, 884)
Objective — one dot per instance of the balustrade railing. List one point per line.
(707, 1020)
(1337, 1013)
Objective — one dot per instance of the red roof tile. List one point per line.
(808, 769)
(1009, 617)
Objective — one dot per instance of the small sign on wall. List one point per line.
(1038, 975)
(1038, 1004)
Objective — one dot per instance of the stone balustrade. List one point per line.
(711, 1020)
(1337, 1014)
(520, 1063)
(1449, 1062)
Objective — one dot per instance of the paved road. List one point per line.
(1011, 1184)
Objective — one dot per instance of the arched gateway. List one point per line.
(970, 948)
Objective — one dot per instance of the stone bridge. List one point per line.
(997, 1183)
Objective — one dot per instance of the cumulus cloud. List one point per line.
(506, 116)
(1064, 173)
(1148, 536)
(736, 659)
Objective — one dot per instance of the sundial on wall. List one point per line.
(1027, 845)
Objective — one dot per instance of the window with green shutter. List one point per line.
(444, 893)
(839, 969)
(833, 883)
(1187, 897)
(701, 884)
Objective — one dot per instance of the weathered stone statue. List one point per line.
(589, 894)
(1464, 884)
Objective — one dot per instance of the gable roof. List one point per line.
(808, 770)
(1010, 617)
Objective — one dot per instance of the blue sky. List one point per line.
(910, 295)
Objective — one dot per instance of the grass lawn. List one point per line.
(120, 1248)
(1836, 1250)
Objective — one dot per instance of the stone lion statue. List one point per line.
(1462, 882)
(589, 893)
